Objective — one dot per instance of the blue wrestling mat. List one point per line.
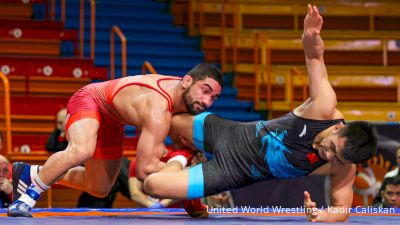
(59, 216)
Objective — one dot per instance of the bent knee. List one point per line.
(99, 192)
(79, 154)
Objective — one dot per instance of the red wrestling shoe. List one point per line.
(188, 154)
(195, 208)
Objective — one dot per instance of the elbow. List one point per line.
(147, 168)
(346, 217)
(143, 172)
(141, 175)
(342, 217)
(336, 214)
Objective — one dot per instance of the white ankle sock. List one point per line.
(35, 189)
(40, 186)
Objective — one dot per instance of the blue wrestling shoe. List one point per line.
(21, 177)
(19, 209)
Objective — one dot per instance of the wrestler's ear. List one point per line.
(339, 126)
(186, 81)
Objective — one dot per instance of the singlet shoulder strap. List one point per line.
(158, 89)
(166, 95)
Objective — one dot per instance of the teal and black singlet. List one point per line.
(241, 154)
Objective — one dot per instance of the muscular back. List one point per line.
(136, 97)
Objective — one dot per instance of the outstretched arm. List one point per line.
(342, 197)
(312, 41)
(322, 94)
(341, 193)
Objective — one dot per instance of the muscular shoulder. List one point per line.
(138, 109)
(155, 102)
(155, 108)
(155, 120)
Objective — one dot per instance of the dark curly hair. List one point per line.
(360, 141)
(204, 70)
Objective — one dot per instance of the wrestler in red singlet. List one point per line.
(96, 101)
(96, 117)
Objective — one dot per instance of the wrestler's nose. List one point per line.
(208, 101)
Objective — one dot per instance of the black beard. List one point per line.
(190, 103)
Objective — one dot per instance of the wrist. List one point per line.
(149, 203)
(179, 158)
(319, 215)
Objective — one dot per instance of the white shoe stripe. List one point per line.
(20, 192)
(21, 188)
(22, 183)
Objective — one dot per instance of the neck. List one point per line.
(178, 105)
(174, 90)
(176, 94)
